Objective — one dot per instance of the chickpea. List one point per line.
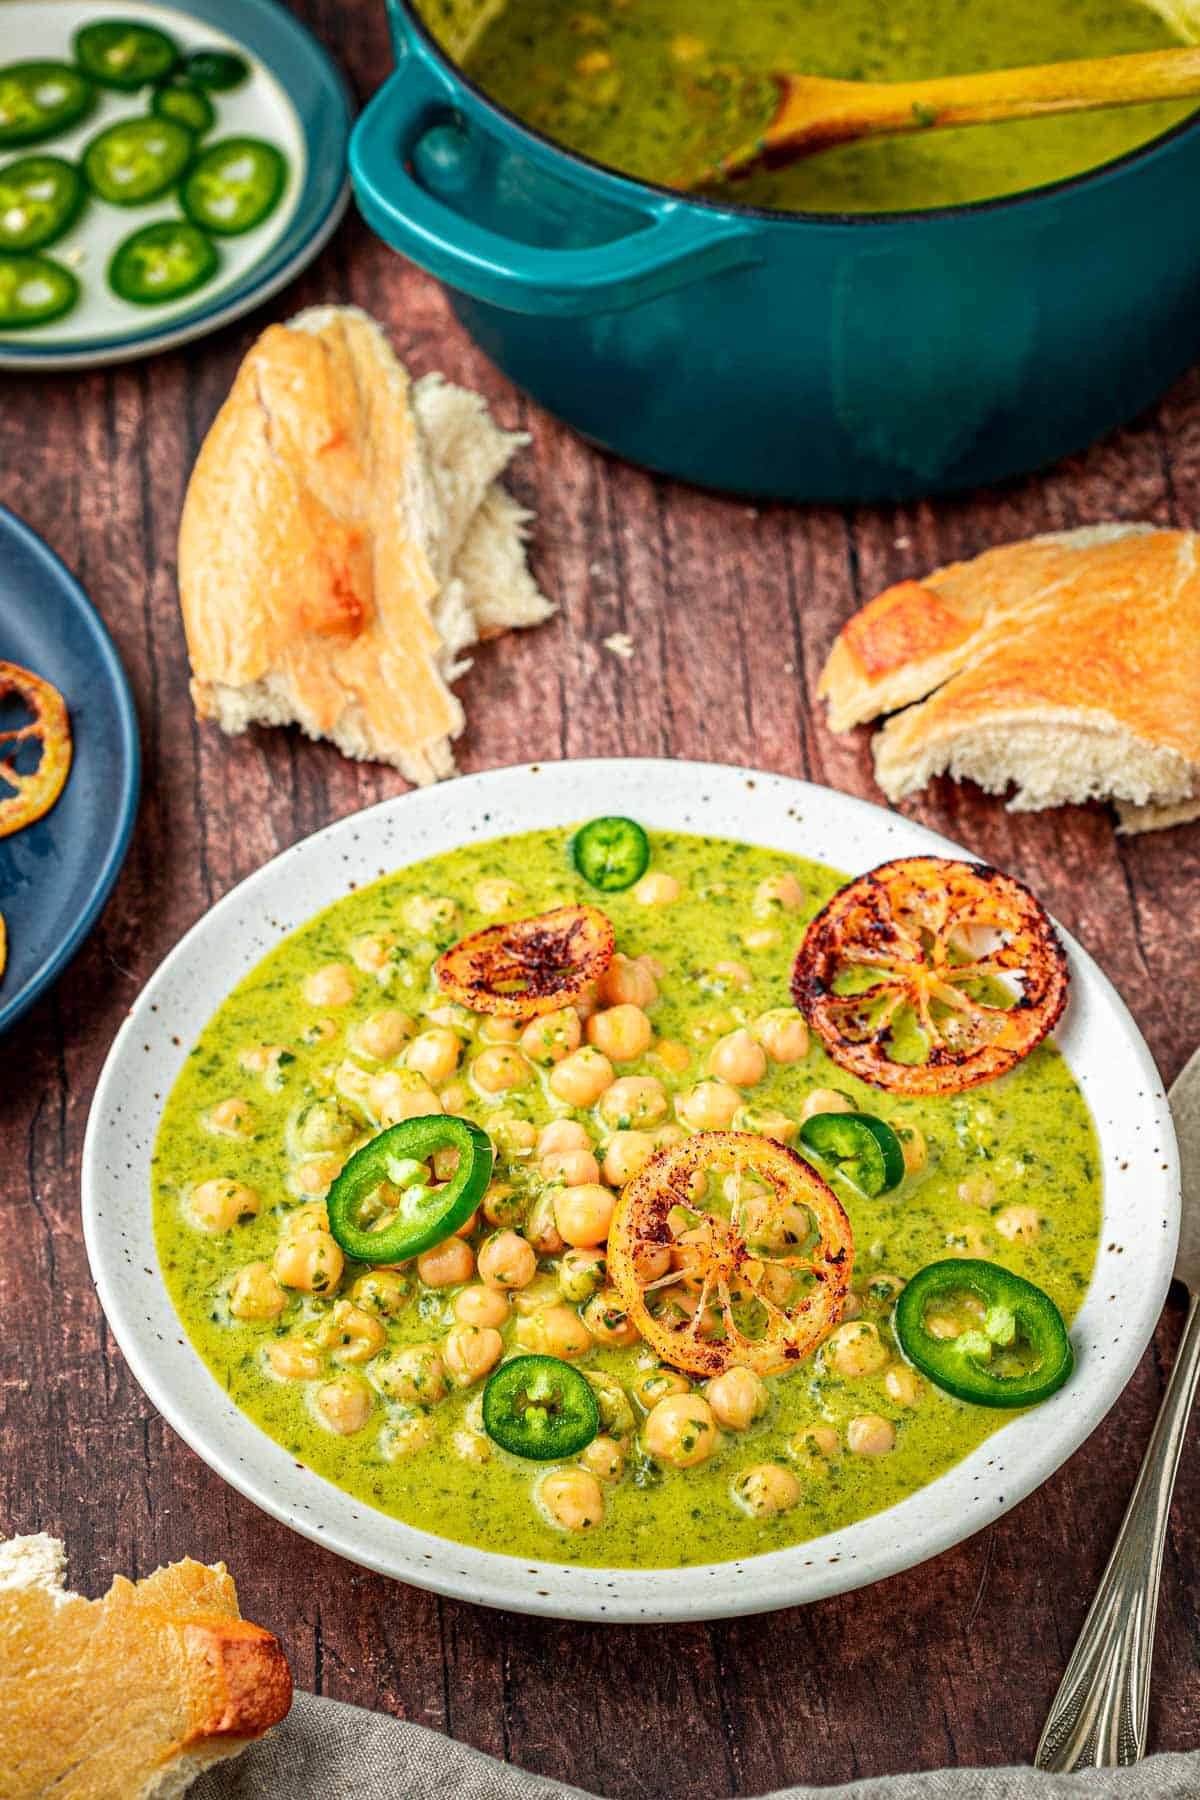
(496, 894)
(313, 1217)
(622, 1033)
(400, 1094)
(344, 1404)
(882, 1291)
(543, 1290)
(310, 1261)
(737, 1059)
(331, 986)
(779, 893)
(855, 1349)
(761, 937)
(672, 1055)
(381, 1291)
(582, 1077)
(502, 1205)
(434, 1054)
(616, 1414)
(373, 951)
(454, 1097)
(583, 1215)
(782, 1034)
(581, 1274)
(427, 913)
(321, 1031)
(737, 1397)
(627, 1152)
(231, 1118)
(632, 1102)
(977, 1190)
(295, 1359)
(709, 1106)
(499, 1069)
(913, 1148)
(471, 1447)
(554, 1331)
(657, 1383)
(407, 1436)
(903, 1385)
(562, 1134)
(1019, 1224)
(609, 1323)
(447, 1264)
(324, 1125)
(713, 1025)
(254, 1293)
(765, 1121)
(471, 1352)
(507, 1261)
(317, 1174)
(552, 1036)
(869, 1435)
(353, 1334)
(728, 976)
(628, 981)
(604, 1458)
(540, 1228)
(495, 1030)
(813, 1449)
(650, 1261)
(481, 1305)
(384, 1034)
(656, 890)
(969, 1240)
(680, 1430)
(219, 1205)
(766, 1488)
(415, 1375)
(265, 1060)
(571, 1499)
(826, 1100)
(573, 1168)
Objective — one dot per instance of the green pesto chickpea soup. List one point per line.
(389, 1209)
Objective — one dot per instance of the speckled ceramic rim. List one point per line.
(1099, 1039)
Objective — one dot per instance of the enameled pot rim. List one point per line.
(620, 182)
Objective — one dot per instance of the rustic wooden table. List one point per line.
(731, 610)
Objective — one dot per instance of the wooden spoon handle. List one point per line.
(813, 113)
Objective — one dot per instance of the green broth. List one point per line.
(615, 81)
(1029, 1134)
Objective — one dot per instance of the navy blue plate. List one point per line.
(56, 874)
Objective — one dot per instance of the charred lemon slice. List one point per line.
(729, 1249)
(33, 789)
(907, 975)
(530, 966)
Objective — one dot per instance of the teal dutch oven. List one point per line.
(789, 355)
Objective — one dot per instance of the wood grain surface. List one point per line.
(731, 610)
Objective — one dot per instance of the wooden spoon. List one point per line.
(812, 113)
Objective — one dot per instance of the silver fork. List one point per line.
(1098, 1719)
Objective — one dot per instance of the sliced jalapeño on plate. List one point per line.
(124, 53)
(1011, 1348)
(161, 262)
(136, 160)
(186, 103)
(40, 199)
(611, 853)
(233, 185)
(858, 1146)
(541, 1408)
(34, 290)
(388, 1204)
(41, 98)
(216, 70)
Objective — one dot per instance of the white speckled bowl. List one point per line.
(1099, 1039)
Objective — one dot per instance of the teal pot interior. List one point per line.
(786, 356)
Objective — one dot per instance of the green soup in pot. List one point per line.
(279, 1090)
(617, 81)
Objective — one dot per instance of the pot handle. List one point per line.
(676, 243)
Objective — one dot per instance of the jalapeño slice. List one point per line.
(136, 160)
(859, 1146)
(33, 291)
(391, 1176)
(1016, 1354)
(233, 185)
(541, 1408)
(124, 53)
(217, 70)
(40, 99)
(186, 103)
(611, 853)
(163, 261)
(40, 198)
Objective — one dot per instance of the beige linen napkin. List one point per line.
(327, 1751)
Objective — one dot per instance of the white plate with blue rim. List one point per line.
(1098, 1038)
(292, 96)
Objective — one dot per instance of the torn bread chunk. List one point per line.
(319, 544)
(1074, 675)
(134, 1694)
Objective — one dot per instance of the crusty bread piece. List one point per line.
(320, 540)
(1068, 667)
(128, 1696)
